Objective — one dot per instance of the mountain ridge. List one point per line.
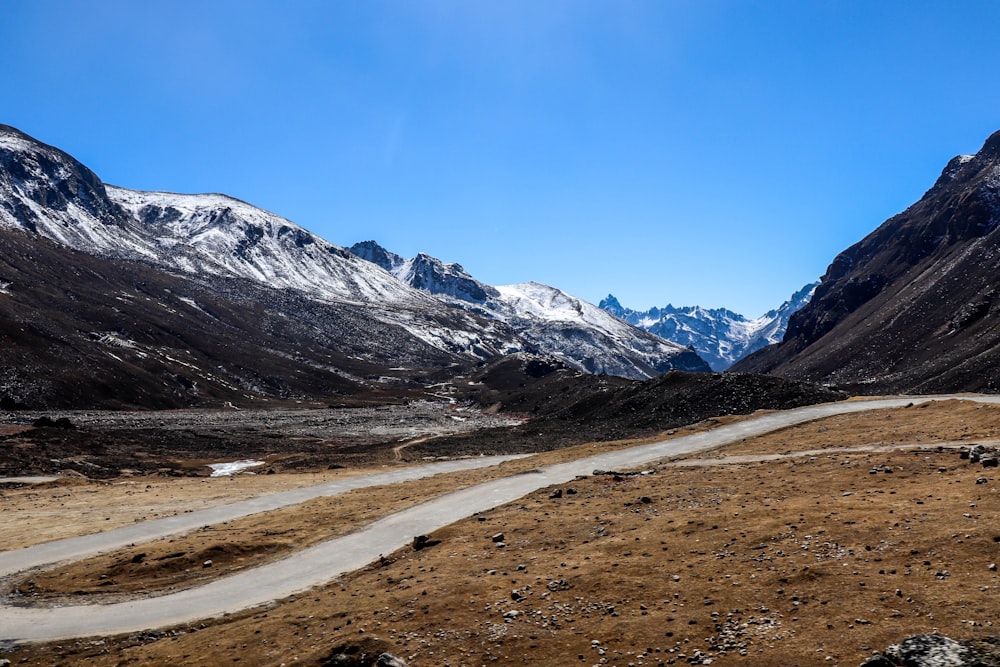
(247, 259)
(720, 336)
(586, 337)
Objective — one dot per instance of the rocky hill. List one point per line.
(913, 306)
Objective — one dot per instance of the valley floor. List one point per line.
(818, 556)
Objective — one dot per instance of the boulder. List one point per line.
(939, 651)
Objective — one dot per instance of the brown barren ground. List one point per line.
(809, 560)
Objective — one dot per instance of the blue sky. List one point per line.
(709, 152)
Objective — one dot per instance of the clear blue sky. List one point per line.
(695, 152)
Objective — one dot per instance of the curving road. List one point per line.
(324, 562)
(75, 548)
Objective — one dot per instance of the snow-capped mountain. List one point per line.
(355, 313)
(583, 335)
(47, 192)
(44, 190)
(588, 334)
(720, 336)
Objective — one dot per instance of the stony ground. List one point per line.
(106, 444)
(811, 559)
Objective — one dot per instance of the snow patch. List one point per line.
(232, 467)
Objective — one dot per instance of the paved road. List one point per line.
(28, 479)
(75, 548)
(324, 562)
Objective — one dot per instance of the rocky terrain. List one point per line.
(911, 307)
(478, 413)
(841, 538)
(104, 445)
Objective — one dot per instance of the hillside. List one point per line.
(913, 306)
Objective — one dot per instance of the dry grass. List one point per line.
(804, 561)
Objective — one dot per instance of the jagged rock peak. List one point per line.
(376, 254)
(611, 304)
(427, 273)
(719, 336)
(42, 189)
(432, 275)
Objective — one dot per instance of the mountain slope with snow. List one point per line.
(208, 237)
(551, 321)
(595, 340)
(720, 336)
(291, 296)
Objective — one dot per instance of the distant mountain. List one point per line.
(913, 307)
(206, 298)
(551, 321)
(719, 336)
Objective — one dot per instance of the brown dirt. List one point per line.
(813, 560)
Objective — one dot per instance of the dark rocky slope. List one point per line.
(568, 407)
(79, 331)
(913, 307)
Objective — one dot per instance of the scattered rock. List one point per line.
(498, 538)
(939, 651)
(558, 585)
(975, 453)
(207, 563)
(365, 653)
(138, 558)
(556, 494)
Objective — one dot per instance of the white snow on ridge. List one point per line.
(214, 236)
(720, 336)
(535, 300)
(226, 236)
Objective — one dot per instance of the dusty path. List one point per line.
(326, 561)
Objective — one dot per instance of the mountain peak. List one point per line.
(376, 254)
(611, 304)
(991, 148)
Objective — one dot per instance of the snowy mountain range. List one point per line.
(422, 312)
(583, 335)
(719, 336)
